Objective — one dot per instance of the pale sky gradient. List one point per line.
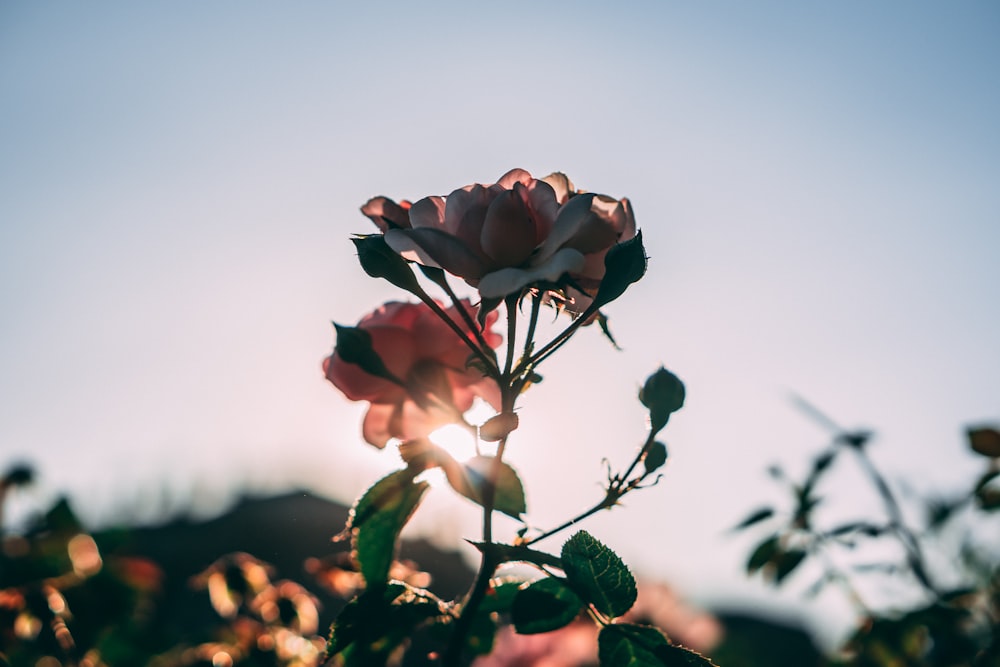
(818, 186)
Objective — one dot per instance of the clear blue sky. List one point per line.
(817, 185)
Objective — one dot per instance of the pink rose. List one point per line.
(514, 233)
(586, 227)
(421, 350)
(387, 214)
(479, 229)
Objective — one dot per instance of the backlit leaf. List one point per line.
(598, 574)
(377, 519)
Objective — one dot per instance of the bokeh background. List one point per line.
(817, 186)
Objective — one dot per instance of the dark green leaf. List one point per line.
(867, 529)
(988, 498)
(786, 562)
(985, 440)
(378, 517)
(500, 595)
(598, 575)
(662, 394)
(471, 478)
(380, 261)
(655, 457)
(544, 605)
(354, 345)
(360, 615)
(627, 645)
(505, 553)
(624, 264)
(755, 518)
(763, 554)
(375, 623)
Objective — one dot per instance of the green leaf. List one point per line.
(370, 628)
(377, 519)
(763, 554)
(655, 457)
(786, 562)
(544, 605)
(505, 553)
(598, 575)
(985, 440)
(354, 345)
(663, 394)
(755, 518)
(380, 261)
(624, 264)
(628, 645)
(471, 478)
(500, 595)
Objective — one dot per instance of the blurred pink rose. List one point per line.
(430, 359)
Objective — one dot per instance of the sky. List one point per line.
(816, 185)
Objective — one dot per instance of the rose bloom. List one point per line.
(417, 347)
(511, 234)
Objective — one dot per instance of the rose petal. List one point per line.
(513, 176)
(433, 247)
(561, 185)
(508, 234)
(377, 428)
(465, 213)
(386, 213)
(510, 281)
(428, 212)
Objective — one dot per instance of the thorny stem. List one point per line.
(489, 363)
(618, 486)
(532, 323)
(488, 562)
(466, 317)
(556, 342)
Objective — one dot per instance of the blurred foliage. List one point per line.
(953, 624)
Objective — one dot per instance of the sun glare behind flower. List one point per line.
(456, 440)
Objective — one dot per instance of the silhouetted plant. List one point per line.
(956, 620)
(524, 244)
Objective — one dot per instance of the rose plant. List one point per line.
(524, 244)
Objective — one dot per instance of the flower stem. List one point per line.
(469, 321)
(489, 363)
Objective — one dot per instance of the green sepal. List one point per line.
(380, 261)
(544, 605)
(598, 575)
(624, 264)
(354, 345)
